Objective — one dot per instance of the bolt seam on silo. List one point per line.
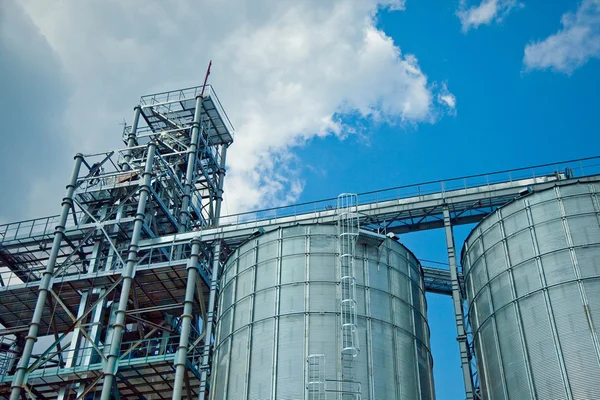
(578, 276)
(516, 305)
(547, 303)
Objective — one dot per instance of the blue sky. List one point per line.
(506, 118)
(326, 96)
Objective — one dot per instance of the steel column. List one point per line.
(45, 284)
(111, 365)
(186, 320)
(458, 308)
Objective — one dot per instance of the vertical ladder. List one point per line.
(348, 228)
(315, 378)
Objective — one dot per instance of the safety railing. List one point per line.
(28, 228)
(8, 355)
(145, 350)
(574, 168)
(565, 169)
(186, 94)
(164, 254)
(315, 377)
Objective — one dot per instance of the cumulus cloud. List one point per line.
(570, 47)
(286, 72)
(485, 13)
(447, 99)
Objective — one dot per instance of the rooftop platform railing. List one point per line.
(187, 94)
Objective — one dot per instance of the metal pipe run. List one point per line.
(192, 272)
(110, 369)
(184, 213)
(219, 199)
(45, 284)
(210, 319)
(186, 320)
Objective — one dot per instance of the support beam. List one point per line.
(89, 388)
(74, 346)
(186, 321)
(131, 387)
(31, 338)
(61, 361)
(119, 326)
(458, 308)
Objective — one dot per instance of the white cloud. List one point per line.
(447, 99)
(283, 71)
(570, 47)
(486, 12)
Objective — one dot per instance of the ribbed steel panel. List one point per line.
(532, 273)
(279, 303)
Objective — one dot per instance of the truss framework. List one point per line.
(111, 315)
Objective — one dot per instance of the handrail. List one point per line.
(441, 186)
(189, 94)
(585, 166)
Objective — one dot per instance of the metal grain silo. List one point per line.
(533, 287)
(280, 304)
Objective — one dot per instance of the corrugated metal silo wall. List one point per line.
(532, 280)
(279, 303)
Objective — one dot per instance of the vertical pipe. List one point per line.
(219, 197)
(458, 309)
(210, 319)
(131, 137)
(186, 320)
(110, 367)
(210, 316)
(31, 338)
(184, 213)
(192, 272)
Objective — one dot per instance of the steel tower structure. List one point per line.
(116, 296)
(115, 327)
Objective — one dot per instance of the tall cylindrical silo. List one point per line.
(280, 303)
(533, 288)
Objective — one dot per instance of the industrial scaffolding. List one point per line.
(118, 320)
(116, 296)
